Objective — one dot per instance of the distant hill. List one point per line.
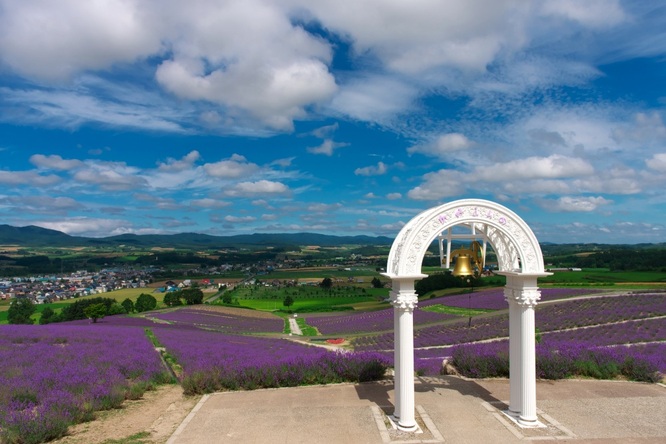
(32, 236)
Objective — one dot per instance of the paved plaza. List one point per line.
(449, 409)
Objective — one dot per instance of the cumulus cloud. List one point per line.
(27, 178)
(443, 145)
(261, 187)
(54, 162)
(52, 41)
(234, 167)
(575, 204)
(394, 196)
(592, 13)
(209, 203)
(85, 226)
(657, 162)
(186, 163)
(372, 170)
(110, 176)
(42, 204)
(239, 219)
(551, 167)
(327, 147)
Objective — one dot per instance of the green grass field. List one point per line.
(117, 295)
(458, 311)
(603, 276)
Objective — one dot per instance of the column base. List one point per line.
(395, 423)
(522, 422)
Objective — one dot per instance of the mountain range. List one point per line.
(33, 236)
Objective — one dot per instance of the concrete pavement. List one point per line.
(449, 409)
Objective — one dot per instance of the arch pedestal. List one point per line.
(519, 259)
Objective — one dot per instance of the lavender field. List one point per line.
(56, 375)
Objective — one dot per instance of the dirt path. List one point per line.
(151, 419)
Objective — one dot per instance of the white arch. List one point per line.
(519, 259)
(512, 239)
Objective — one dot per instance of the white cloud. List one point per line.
(27, 178)
(394, 196)
(248, 189)
(374, 98)
(239, 219)
(54, 162)
(574, 204)
(592, 13)
(85, 226)
(552, 167)
(320, 208)
(438, 185)
(443, 145)
(657, 162)
(209, 203)
(111, 176)
(186, 163)
(372, 170)
(42, 204)
(53, 41)
(235, 167)
(327, 147)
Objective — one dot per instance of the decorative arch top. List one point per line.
(512, 239)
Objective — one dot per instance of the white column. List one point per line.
(528, 414)
(404, 301)
(515, 361)
(522, 294)
(396, 356)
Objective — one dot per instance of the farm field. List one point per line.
(211, 348)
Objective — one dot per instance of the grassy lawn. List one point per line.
(603, 276)
(458, 311)
(314, 304)
(117, 295)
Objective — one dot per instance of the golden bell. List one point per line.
(463, 266)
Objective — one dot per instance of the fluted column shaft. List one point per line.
(404, 301)
(522, 294)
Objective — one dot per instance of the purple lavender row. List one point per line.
(562, 359)
(221, 321)
(220, 361)
(644, 330)
(56, 375)
(369, 321)
(493, 298)
(556, 316)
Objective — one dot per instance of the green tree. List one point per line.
(145, 302)
(172, 299)
(376, 283)
(288, 301)
(20, 311)
(227, 298)
(115, 309)
(326, 283)
(95, 312)
(192, 296)
(128, 305)
(47, 316)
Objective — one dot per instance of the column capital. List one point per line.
(527, 297)
(404, 300)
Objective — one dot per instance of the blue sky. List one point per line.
(338, 117)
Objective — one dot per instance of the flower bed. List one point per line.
(56, 375)
(369, 321)
(557, 360)
(493, 298)
(215, 361)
